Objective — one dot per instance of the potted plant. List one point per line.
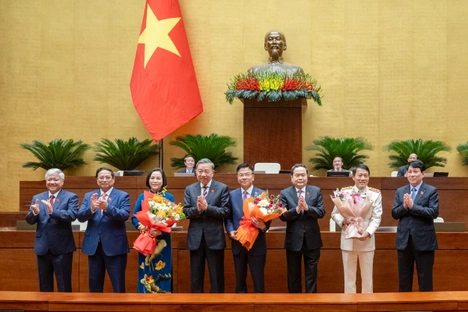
(347, 148)
(200, 146)
(58, 153)
(426, 151)
(125, 155)
(463, 150)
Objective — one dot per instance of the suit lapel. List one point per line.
(420, 193)
(211, 191)
(293, 194)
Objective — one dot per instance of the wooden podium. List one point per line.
(273, 131)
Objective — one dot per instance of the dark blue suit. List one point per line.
(54, 244)
(105, 240)
(302, 237)
(255, 257)
(416, 238)
(205, 235)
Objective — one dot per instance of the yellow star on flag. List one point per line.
(156, 34)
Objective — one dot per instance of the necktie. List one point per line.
(299, 194)
(413, 193)
(245, 195)
(51, 200)
(205, 190)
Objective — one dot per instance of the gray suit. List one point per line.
(416, 238)
(302, 237)
(205, 235)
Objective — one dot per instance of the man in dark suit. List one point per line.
(189, 163)
(254, 258)
(416, 206)
(304, 206)
(206, 205)
(402, 170)
(105, 240)
(54, 211)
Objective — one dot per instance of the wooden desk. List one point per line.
(35, 301)
(18, 269)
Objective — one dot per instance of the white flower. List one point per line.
(264, 211)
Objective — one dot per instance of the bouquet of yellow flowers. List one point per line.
(156, 213)
(262, 207)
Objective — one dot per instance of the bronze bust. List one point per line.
(275, 44)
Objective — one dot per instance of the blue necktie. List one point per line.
(413, 193)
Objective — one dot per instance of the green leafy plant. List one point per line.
(58, 153)
(426, 151)
(463, 150)
(125, 155)
(199, 146)
(347, 148)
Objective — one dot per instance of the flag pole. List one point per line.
(161, 154)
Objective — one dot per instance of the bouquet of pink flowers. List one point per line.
(353, 207)
(262, 207)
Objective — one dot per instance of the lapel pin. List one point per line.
(212, 191)
(57, 200)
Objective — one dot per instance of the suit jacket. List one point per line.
(184, 170)
(108, 227)
(419, 221)
(210, 221)
(402, 171)
(232, 223)
(54, 231)
(371, 221)
(302, 225)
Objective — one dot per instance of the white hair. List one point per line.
(55, 171)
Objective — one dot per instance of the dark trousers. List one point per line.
(256, 264)
(115, 266)
(311, 259)
(215, 259)
(424, 264)
(61, 265)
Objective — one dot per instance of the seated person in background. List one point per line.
(189, 162)
(275, 44)
(338, 165)
(402, 170)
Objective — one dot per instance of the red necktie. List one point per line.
(51, 200)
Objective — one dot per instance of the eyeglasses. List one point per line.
(246, 175)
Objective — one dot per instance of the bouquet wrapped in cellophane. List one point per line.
(156, 213)
(263, 207)
(353, 207)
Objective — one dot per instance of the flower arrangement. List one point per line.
(263, 207)
(268, 204)
(273, 86)
(156, 213)
(353, 207)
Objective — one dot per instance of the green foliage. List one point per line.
(347, 148)
(125, 155)
(199, 146)
(463, 150)
(56, 154)
(426, 151)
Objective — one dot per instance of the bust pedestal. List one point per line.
(273, 131)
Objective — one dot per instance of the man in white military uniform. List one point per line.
(360, 248)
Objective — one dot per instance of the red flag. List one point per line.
(163, 85)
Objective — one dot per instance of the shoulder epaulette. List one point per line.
(347, 188)
(374, 189)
